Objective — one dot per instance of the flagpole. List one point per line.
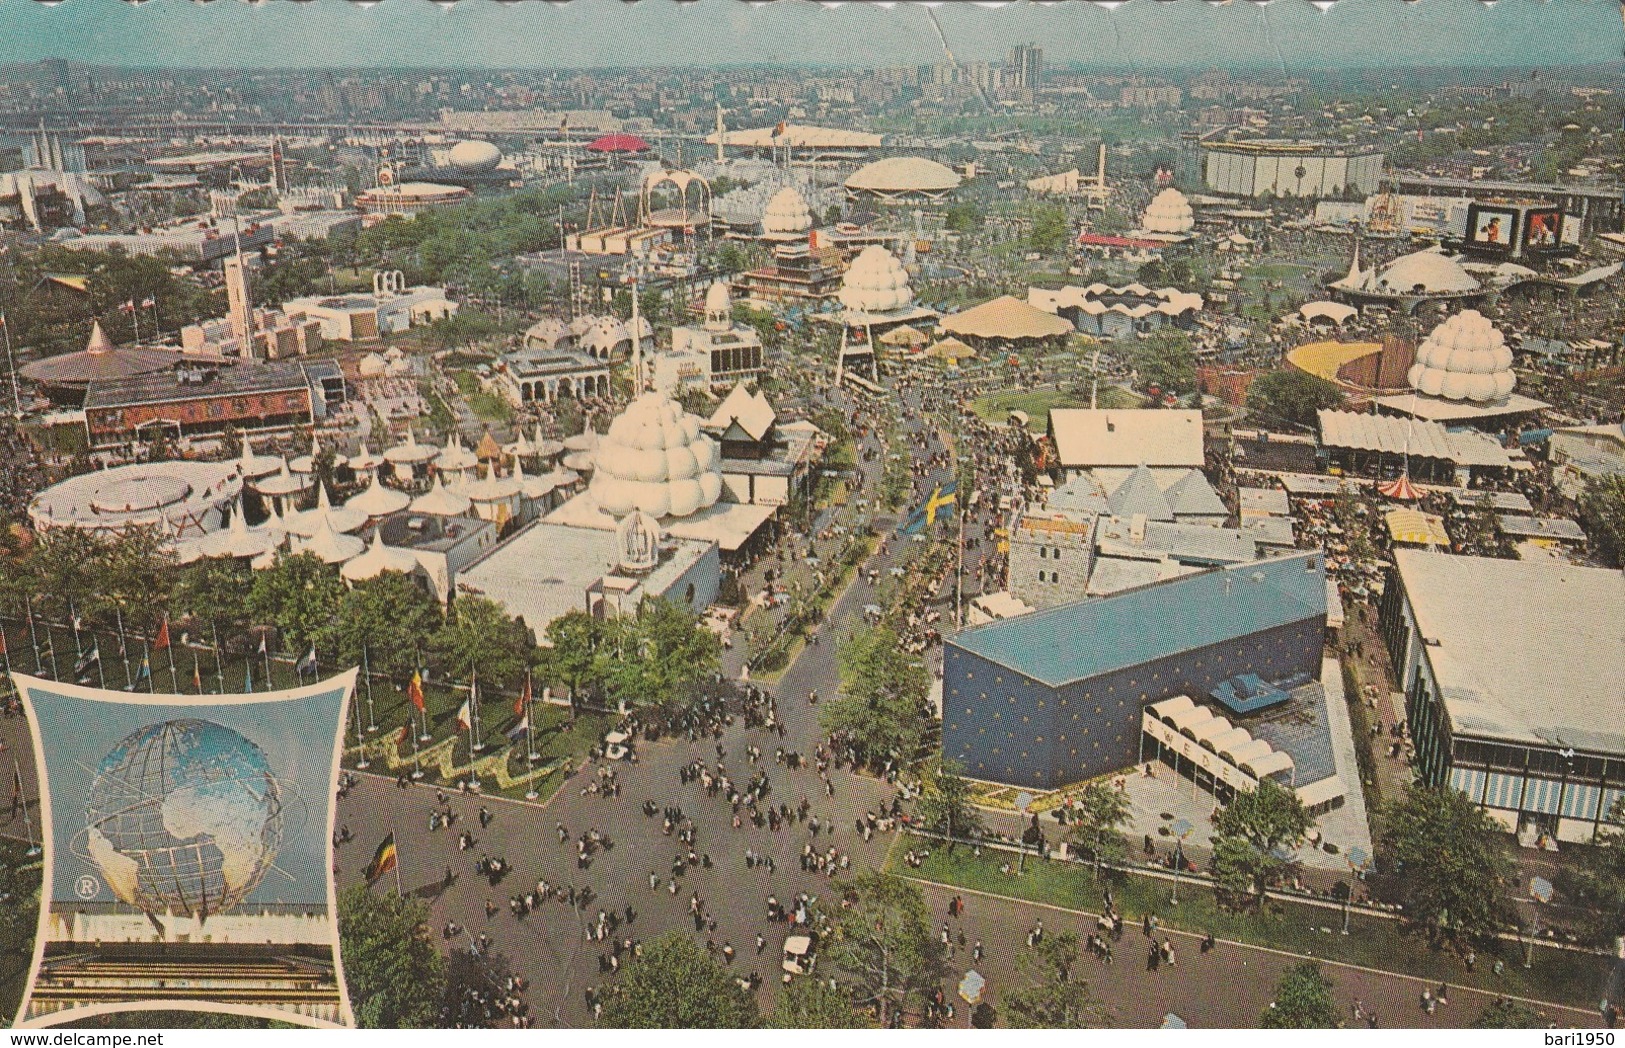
(73, 621)
(197, 673)
(266, 651)
(174, 681)
(28, 822)
(219, 667)
(398, 893)
(959, 569)
(362, 763)
(33, 635)
(531, 792)
(11, 366)
(146, 664)
(101, 674)
(476, 742)
(366, 673)
(123, 649)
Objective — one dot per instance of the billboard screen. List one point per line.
(1543, 229)
(1491, 227)
(188, 853)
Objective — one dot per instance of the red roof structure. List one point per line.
(1400, 489)
(619, 142)
(1127, 243)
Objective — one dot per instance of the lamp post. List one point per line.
(1023, 801)
(1181, 829)
(1359, 862)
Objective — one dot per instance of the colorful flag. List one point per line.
(523, 704)
(262, 644)
(149, 303)
(161, 642)
(463, 715)
(414, 690)
(146, 669)
(780, 128)
(87, 660)
(2, 641)
(127, 306)
(941, 500)
(518, 730)
(197, 676)
(308, 663)
(248, 678)
(383, 860)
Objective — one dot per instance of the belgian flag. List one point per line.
(383, 860)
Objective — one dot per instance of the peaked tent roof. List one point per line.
(1139, 495)
(1006, 317)
(1192, 495)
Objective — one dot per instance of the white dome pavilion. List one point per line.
(875, 282)
(1168, 212)
(656, 459)
(1465, 358)
(786, 214)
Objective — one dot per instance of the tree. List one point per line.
(299, 595)
(572, 655)
(1598, 880)
(945, 802)
(389, 618)
(1252, 831)
(884, 942)
(1505, 1014)
(655, 654)
(478, 635)
(1054, 1000)
(1165, 359)
(1303, 1001)
(1097, 816)
(882, 691)
(814, 1004)
(394, 970)
(216, 592)
(675, 985)
(1292, 396)
(1602, 511)
(963, 217)
(1050, 229)
(1452, 863)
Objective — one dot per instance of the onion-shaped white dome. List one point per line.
(379, 501)
(655, 458)
(373, 365)
(718, 307)
(786, 214)
(378, 559)
(439, 502)
(1168, 212)
(474, 155)
(875, 282)
(547, 333)
(1464, 358)
(1426, 272)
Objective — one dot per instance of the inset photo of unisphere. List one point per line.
(715, 516)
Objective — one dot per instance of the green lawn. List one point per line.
(1558, 975)
(996, 407)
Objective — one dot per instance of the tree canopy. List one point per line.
(1303, 1001)
(945, 801)
(1452, 863)
(1292, 396)
(1602, 512)
(1165, 359)
(879, 709)
(479, 636)
(1095, 819)
(1251, 833)
(675, 984)
(1052, 999)
(883, 941)
(814, 1004)
(1598, 881)
(394, 969)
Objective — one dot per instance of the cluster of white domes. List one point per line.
(1168, 212)
(787, 213)
(656, 459)
(875, 282)
(1465, 358)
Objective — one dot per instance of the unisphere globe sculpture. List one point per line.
(184, 817)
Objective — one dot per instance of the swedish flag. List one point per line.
(943, 499)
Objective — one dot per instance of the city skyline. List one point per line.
(1137, 36)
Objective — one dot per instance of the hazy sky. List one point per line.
(584, 33)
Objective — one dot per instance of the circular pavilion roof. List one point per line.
(177, 495)
(1425, 272)
(100, 360)
(619, 142)
(904, 174)
(474, 155)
